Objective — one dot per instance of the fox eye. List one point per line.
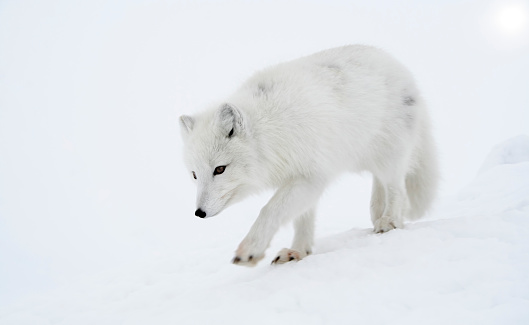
(219, 170)
(194, 175)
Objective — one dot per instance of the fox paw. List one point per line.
(248, 260)
(247, 255)
(385, 224)
(287, 255)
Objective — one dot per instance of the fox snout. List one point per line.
(208, 204)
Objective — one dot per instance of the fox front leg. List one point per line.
(290, 200)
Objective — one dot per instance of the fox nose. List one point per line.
(199, 213)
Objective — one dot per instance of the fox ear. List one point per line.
(186, 124)
(231, 120)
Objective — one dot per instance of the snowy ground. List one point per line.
(466, 264)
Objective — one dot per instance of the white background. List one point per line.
(91, 175)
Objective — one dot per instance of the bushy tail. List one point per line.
(423, 179)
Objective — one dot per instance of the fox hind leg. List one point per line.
(378, 200)
(396, 204)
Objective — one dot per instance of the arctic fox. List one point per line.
(296, 126)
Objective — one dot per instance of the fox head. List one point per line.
(219, 158)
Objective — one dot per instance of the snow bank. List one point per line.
(502, 183)
(512, 151)
(467, 264)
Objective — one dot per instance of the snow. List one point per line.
(465, 264)
(514, 151)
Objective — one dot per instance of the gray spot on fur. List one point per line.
(408, 115)
(262, 89)
(336, 74)
(333, 67)
(408, 101)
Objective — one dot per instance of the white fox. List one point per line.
(296, 126)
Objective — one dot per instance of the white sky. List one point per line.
(90, 91)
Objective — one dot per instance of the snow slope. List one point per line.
(466, 264)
